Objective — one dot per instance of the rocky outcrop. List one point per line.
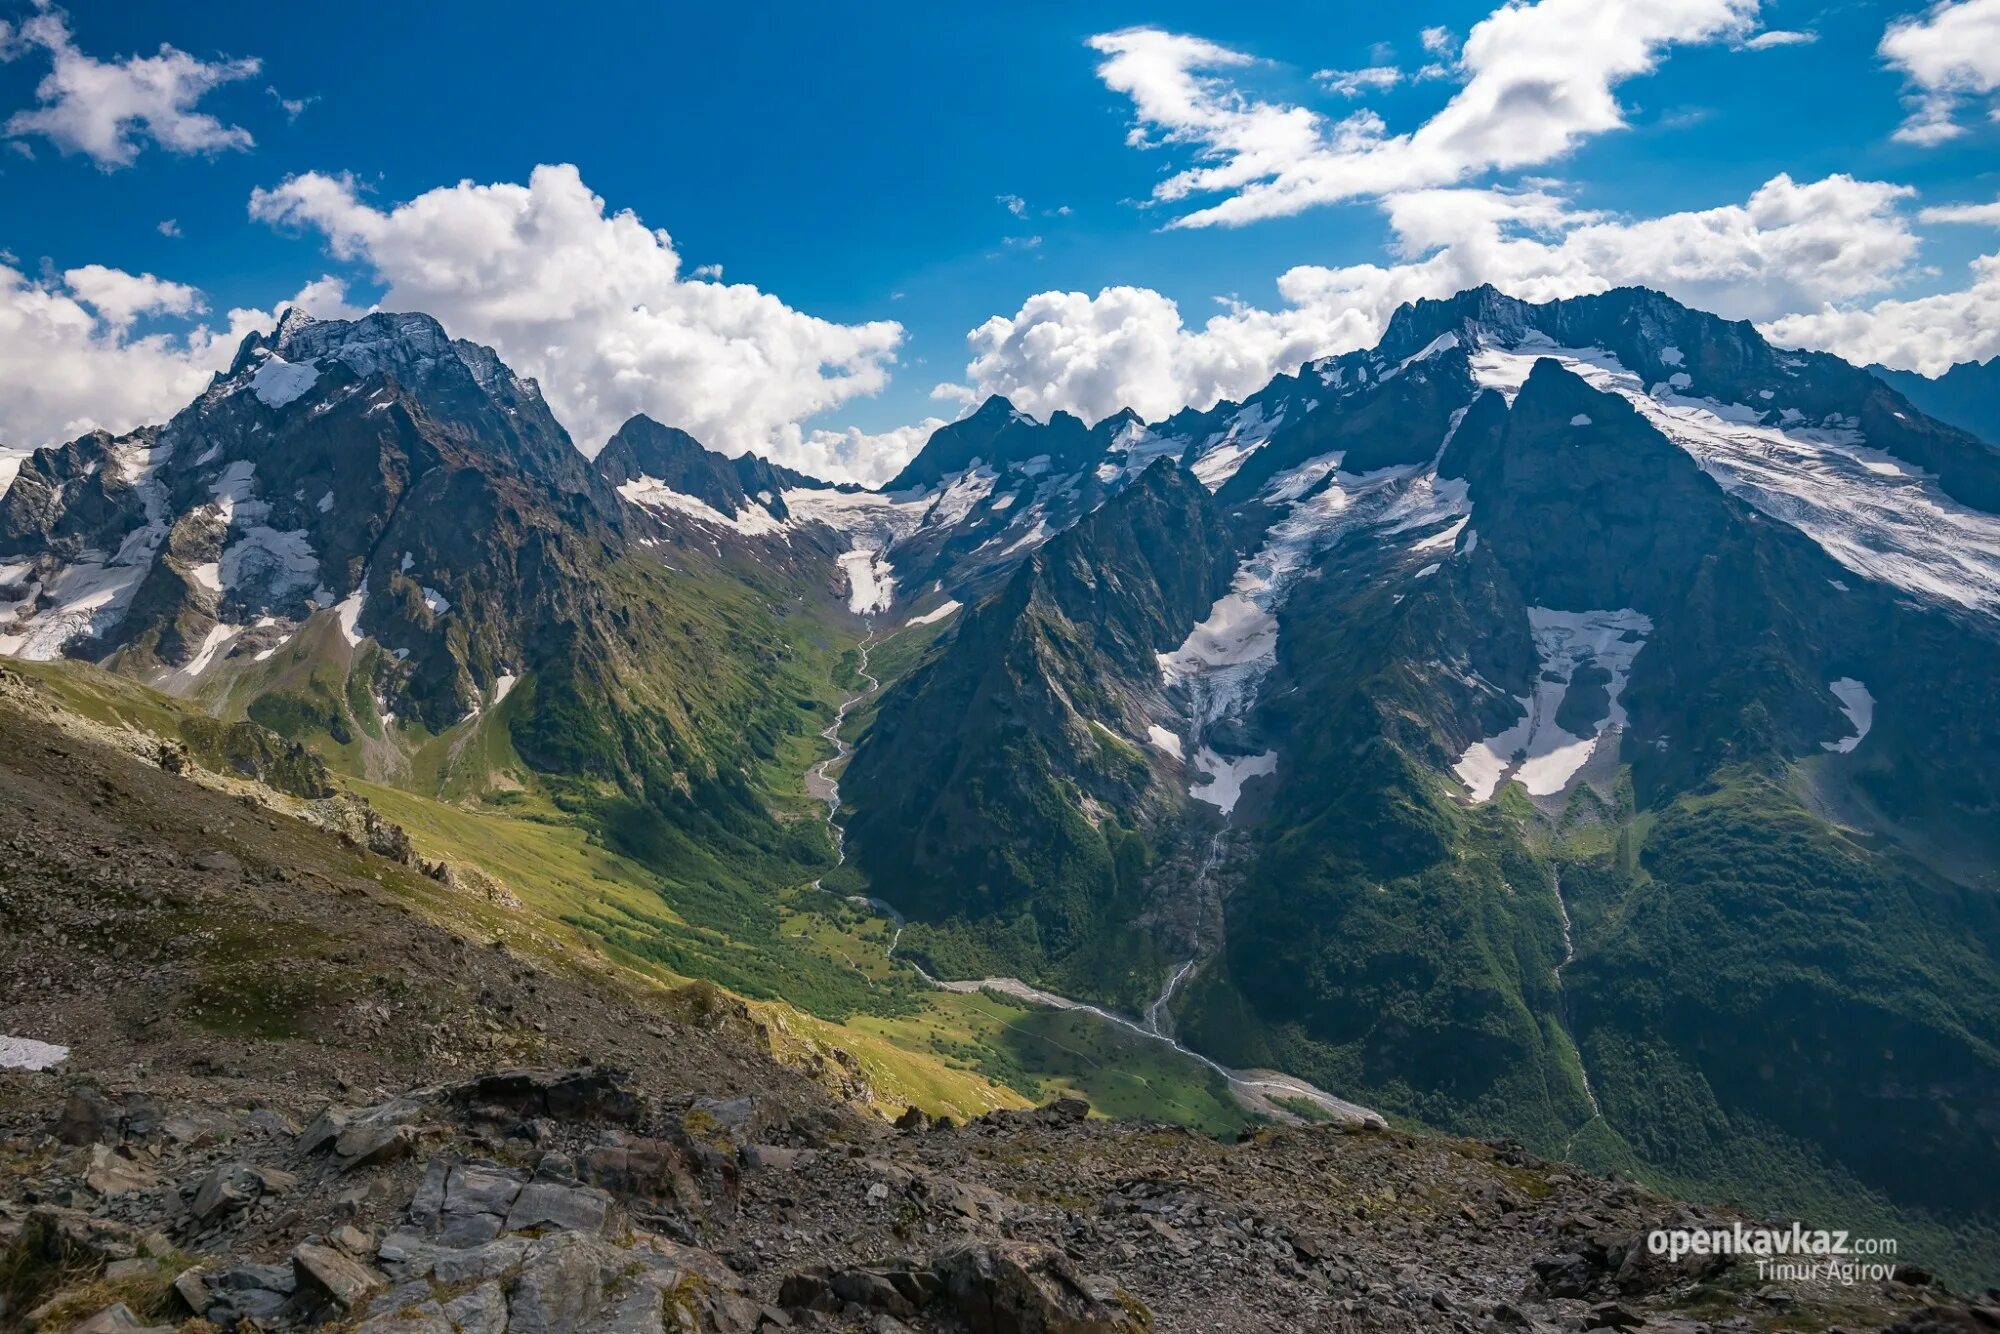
(1001, 1288)
(581, 1200)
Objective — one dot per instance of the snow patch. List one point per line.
(1444, 342)
(1227, 775)
(1225, 451)
(1442, 538)
(503, 685)
(277, 564)
(961, 492)
(211, 644)
(1581, 419)
(934, 614)
(1136, 446)
(278, 382)
(1293, 483)
(28, 1054)
(871, 581)
(652, 493)
(349, 613)
(438, 603)
(1542, 756)
(1859, 706)
(1164, 740)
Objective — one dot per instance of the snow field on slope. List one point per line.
(1538, 753)
(1876, 515)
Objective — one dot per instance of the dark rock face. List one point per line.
(1007, 1288)
(66, 500)
(979, 824)
(644, 448)
(1029, 1289)
(1966, 396)
(996, 435)
(600, 1094)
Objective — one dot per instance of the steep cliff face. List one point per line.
(1012, 780)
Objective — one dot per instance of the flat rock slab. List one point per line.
(118, 1319)
(555, 1204)
(474, 1188)
(335, 1274)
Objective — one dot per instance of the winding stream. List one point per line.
(1563, 1016)
(820, 776)
(1159, 1014)
(1256, 1089)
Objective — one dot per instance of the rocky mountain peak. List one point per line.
(644, 449)
(996, 407)
(998, 435)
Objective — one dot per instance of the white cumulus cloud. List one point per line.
(1927, 333)
(69, 361)
(119, 297)
(1947, 56)
(1772, 38)
(595, 306)
(1973, 213)
(1355, 82)
(856, 455)
(1538, 79)
(108, 110)
(1930, 334)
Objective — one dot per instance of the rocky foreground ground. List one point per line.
(304, 1089)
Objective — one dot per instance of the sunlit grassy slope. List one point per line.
(600, 885)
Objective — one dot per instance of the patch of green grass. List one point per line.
(1303, 1108)
(1123, 1074)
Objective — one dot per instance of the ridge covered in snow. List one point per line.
(1881, 517)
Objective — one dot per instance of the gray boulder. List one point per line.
(118, 1319)
(555, 1204)
(333, 1275)
(227, 1188)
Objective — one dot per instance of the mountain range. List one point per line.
(1575, 722)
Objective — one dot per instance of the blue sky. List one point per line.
(940, 166)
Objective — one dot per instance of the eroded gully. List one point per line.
(1563, 1015)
